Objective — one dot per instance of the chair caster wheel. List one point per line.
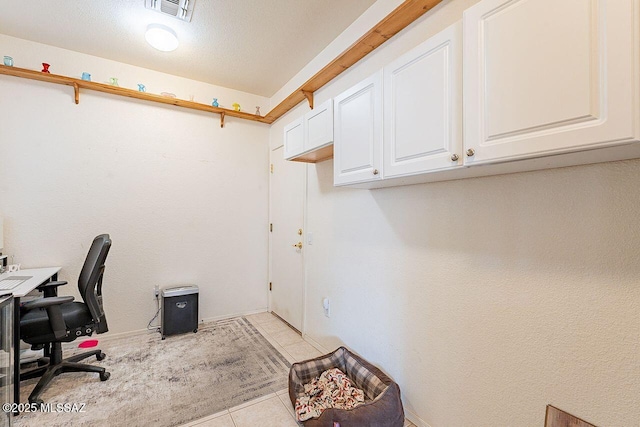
(100, 356)
(163, 337)
(104, 376)
(37, 402)
(195, 330)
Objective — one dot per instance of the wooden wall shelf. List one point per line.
(78, 84)
(392, 24)
(397, 20)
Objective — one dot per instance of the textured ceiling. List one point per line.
(250, 45)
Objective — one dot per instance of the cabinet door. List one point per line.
(357, 144)
(319, 126)
(294, 138)
(544, 77)
(423, 107)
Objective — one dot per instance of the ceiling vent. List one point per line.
(180, 9)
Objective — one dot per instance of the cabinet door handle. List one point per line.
(471, 152)
(454, 157)
(375, 172)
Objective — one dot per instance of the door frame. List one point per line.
(279, 151)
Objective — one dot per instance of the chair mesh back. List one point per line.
(90, 280)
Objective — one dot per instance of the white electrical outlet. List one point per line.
(156, 291)
(326, 304)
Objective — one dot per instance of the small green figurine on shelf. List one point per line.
(236, 106)
(215, 102)
(113, 81)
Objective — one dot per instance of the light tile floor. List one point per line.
(275, 409)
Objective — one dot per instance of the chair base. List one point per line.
(69, 364)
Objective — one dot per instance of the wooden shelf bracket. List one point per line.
(309, 96)
(76, 90)
(222, 119)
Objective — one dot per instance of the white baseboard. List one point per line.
(229, 316)
(317, 346)
(108, 336)
(411, 416)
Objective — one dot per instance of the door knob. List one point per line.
(471, 152)
(375, 172)
(298, 245)
(454, 157)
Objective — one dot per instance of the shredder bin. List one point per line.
(179, 310)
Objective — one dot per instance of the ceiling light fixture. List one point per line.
(161, 37)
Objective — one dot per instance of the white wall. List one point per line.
(487, 298)
(185, 202)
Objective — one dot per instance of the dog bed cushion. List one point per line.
(382, 407)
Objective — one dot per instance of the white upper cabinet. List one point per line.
(319, 126)
(358, 133)
(309, 133)
(545, 77)
(294, 138)
(423, 107)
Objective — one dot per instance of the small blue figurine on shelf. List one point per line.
(141, 88)
(215, 102)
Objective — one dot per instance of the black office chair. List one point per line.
(52, 320)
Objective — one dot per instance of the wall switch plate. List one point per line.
(310, 238)
(326, 304)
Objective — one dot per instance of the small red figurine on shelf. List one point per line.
(45, 67)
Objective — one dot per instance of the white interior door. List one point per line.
(287, 218)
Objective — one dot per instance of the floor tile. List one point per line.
(223, 421)
(283, 391)
(252, 402)
(275, 326)
(287, 404)
(302, 351)
(200, 422)
(262, 317)
(287, 337)
(271, 412)
(275, 345)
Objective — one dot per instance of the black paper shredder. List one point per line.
(179, 310)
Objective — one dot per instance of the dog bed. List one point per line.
(382, 407)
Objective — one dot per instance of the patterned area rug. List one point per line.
(157, 382)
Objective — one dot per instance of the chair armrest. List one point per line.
(52, 305)
(45, 302)
(50, 289)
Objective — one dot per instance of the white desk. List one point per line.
(38, 277)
